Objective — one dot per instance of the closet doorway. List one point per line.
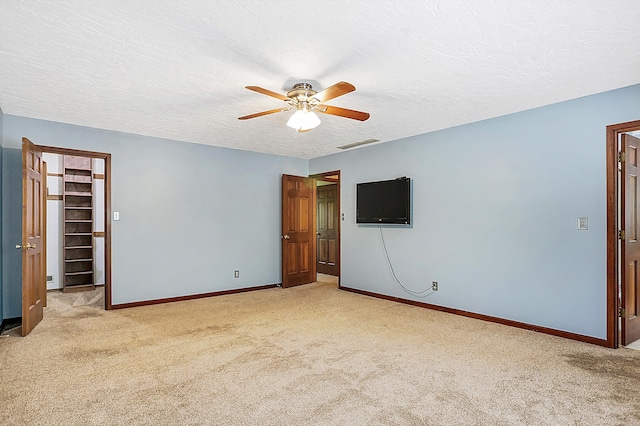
(78, 248)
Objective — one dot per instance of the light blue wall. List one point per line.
(190, 214)
(495, 208)
(1, 239)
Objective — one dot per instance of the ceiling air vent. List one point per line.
(364, 142)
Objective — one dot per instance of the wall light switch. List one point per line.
(583, 223)
(116, 215)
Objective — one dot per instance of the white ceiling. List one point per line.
(177, 69)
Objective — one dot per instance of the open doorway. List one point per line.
(623, 241)
(328, 226)
(75, 231)
(78, 269)
(34, 223)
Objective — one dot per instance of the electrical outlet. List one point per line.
(434, 285)
(236, 274)
(583, 223)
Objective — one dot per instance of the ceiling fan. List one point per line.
(306, 100)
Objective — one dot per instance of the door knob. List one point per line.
(286, 237)
(26, 246)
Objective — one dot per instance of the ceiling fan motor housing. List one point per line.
(301, 91)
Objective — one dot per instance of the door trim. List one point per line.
(328, 176)
(44, 236)
(107, 209)
(613, 132)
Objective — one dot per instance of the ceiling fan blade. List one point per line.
(342, 112)
(260, 114)
(268, 93)
(338, 89)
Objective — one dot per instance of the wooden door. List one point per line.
(33, 231)
(298, 230)
(630, 218)
(327, 231)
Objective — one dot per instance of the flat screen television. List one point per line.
(387, 201)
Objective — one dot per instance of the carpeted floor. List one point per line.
(305, 355)
(59, 301)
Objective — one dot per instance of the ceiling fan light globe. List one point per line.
(303, 121)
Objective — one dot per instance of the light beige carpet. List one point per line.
(306, 355)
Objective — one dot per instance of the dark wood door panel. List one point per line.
(327, 235)
(33, 231)
(298, 230)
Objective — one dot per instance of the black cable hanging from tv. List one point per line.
(415, 293)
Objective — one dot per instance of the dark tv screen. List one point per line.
(385, 201)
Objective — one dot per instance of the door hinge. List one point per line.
(622, 312)
(621, 156)
(621, 234)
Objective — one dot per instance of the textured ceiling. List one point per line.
(177, 69)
